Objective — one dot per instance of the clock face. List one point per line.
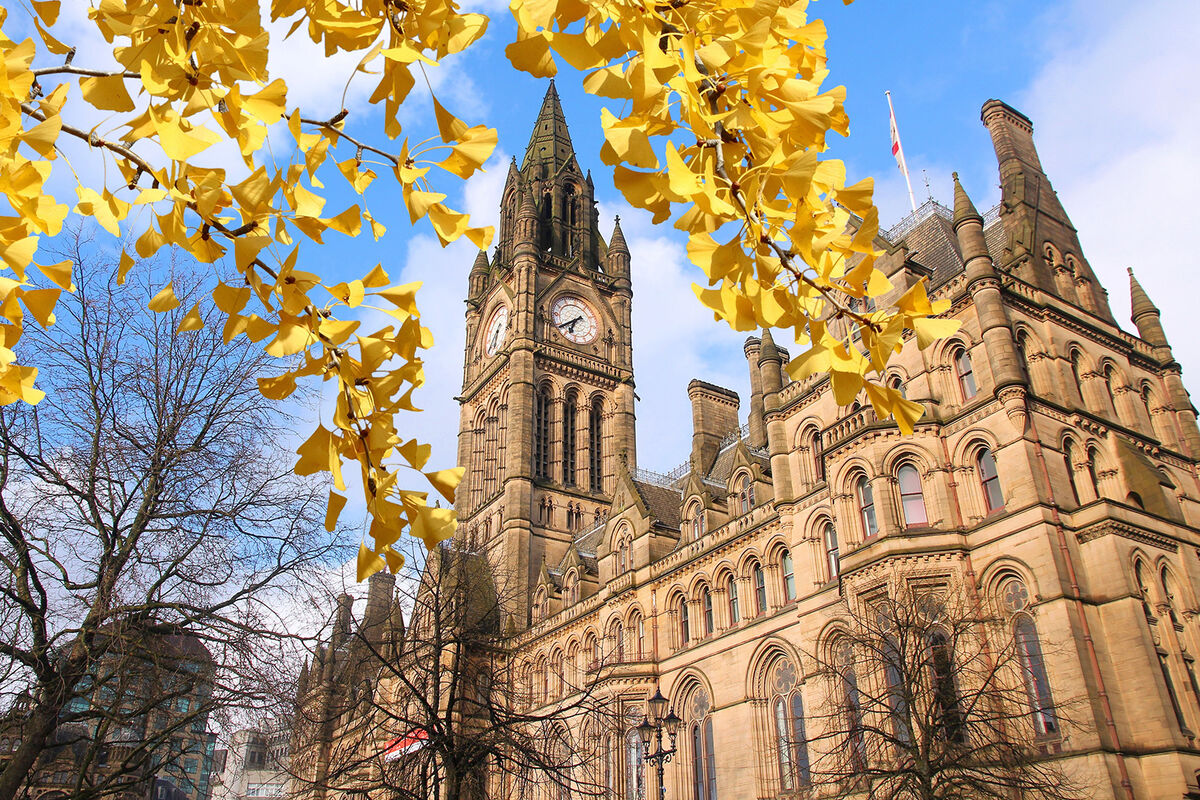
(574, 319)
(496, 330)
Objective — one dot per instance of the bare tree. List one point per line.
(440, 708)
(149, 525)
(929, 698)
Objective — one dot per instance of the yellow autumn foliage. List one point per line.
(722, 121)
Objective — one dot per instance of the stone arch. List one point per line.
(850, 469)
(1001, 569)
(765, 653)
(807, 446)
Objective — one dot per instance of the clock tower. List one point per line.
(547, 415)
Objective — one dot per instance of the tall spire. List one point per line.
(617, 242)
(550, 142)
(964, 209)
(1145, 314)
(1140, 302)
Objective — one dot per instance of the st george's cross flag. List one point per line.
(898, 151)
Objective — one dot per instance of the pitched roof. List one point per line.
(663, 502)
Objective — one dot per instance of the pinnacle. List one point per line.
(767, 351)
(964, 209)
(481, 262)
(617, 243)
(1139, 301)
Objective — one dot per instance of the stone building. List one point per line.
(1053, 478)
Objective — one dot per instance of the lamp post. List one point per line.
(651, 731)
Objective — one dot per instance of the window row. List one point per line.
(570, 448)
(698, 617)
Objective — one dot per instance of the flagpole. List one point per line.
(903, 163)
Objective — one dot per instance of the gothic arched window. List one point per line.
(945, 692)
(570, 408)
(639, 632)
(787, 716)
(702, 752)
(989, 480)
(866, 507)
(745, 494)
(788, 574)
(541, 432)
(635, 768)
(617, 633)
(695, 520)
(851, 704)
(1069, 455)
(595, 445)
(685, 628)
(706, 603)
(832, 559)
(1093, 455)
(966, 374)
(1014, 597)
(760, 588)
(734, 612)
(912, 500)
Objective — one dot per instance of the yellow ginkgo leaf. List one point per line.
(192, 321)
(333, 510)
(368, 563)
(164, 300)
(107, 93)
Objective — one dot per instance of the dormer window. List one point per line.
(745, 494)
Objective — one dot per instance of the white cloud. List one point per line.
(1116, 123)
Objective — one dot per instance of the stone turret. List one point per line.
(757, 420)
(984, 286)
(770, 365)
(477, 281)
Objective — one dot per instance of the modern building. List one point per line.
(1052, 479)
(140, 727)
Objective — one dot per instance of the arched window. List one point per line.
(571, 588)
(703, 754)
(706, 603)
(745, 494)
(685, 628)
(1110, 384)
(760, 588)
(541, 433)
(966, 374)
(1014, 597)
(556, 668)
(618, 639)
(832, 559)
(789, 576)
(787, 714)
(1093, 456)
(732, 589)
(571, 216)
(624, 553)
(595, 445)
(989, 479)
(897, 383)
(847, 677)
(1168, 588)
(1069, 455)
(570, 408)
(695, 521)
(639, 631)
(635, 768)
(945, 692)
(866, 507)
(912, 501)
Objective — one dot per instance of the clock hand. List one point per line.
(495, 337)
(571, 325)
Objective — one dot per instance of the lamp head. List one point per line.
(672, 721)
(657, 704)
(646, 731)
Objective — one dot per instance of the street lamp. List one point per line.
(651, 731)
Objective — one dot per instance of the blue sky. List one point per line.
(1109, 86)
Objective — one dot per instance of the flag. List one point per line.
(410, 742)
(898, 151)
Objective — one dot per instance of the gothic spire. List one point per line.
(617, 242)
(550, 142)
(1140, 302)
(964, 209)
